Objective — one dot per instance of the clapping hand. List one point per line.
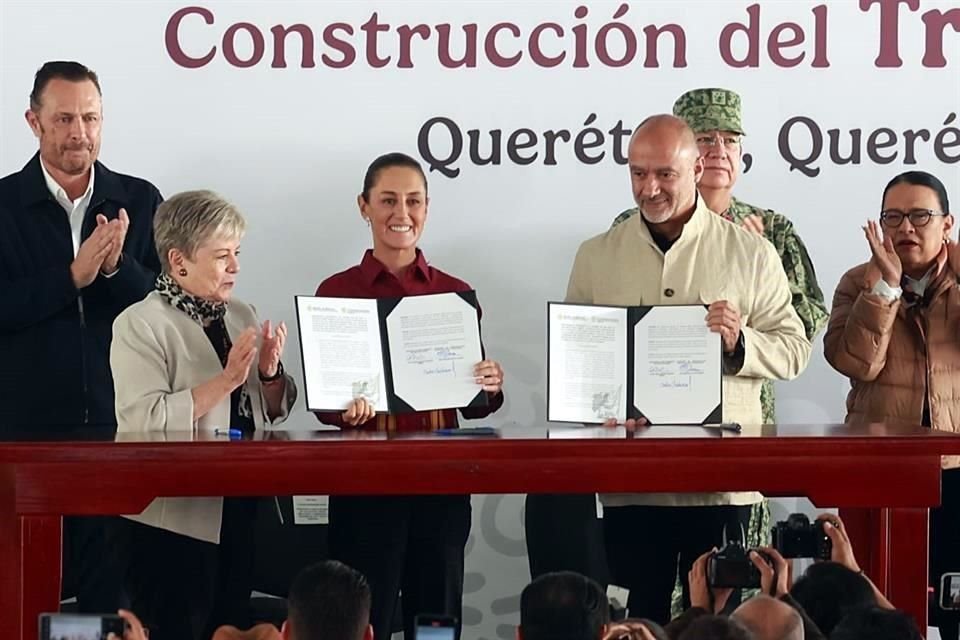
(884, 259)
(117, 229)
(753, 223)
(271, 348)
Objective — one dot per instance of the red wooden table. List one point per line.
(883, 478)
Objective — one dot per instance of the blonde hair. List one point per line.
(189, 219)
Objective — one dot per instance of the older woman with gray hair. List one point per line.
(183, 360)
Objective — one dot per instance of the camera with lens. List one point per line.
(797, 537)
(732, 567)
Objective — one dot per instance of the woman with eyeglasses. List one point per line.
(895, 332)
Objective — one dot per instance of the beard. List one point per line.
(657, 217)
(73, 165)
(65, 160)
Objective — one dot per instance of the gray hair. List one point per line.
(189, 219)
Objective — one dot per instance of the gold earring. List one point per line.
(182, 272)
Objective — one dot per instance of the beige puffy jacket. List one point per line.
(896, 355)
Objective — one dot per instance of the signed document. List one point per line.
(340, 343)
(660, 363)
(415, 353)
(434, 343)
(677, 365)
(587, 363)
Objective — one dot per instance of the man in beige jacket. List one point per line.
(678, 252)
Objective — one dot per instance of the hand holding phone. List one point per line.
(950, 591)
(75, 626)
(431, 627)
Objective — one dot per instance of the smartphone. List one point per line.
(435, 627)
(77, 626)
(950, 591)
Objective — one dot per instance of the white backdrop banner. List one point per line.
(521, 114)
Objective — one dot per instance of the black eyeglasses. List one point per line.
(893, 218)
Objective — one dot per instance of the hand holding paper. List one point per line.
(359, 412)
(724, 318)
(630, 424)
(490, 375)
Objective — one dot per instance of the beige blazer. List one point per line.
(158, 355)
(712, 260)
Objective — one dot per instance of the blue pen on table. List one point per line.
(233, 433)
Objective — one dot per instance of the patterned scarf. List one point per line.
(198, 309)
(204, 313)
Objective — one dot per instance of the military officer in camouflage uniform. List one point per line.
(715, 117)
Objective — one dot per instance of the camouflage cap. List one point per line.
(710, 110)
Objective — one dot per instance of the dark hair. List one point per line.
(63, 69)
(715, 628)
(328, 600)
(387, 160)
(827, 591)
(920, 179)
(875, 623)
(655, 629)
(563, 605)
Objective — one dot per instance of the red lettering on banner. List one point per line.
(229, 45)
(775, 43)
(889, 55)
(935, 21)
(343, 47)
(280, 34)
(172, 38)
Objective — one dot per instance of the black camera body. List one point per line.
(797, 537)
(731, 567)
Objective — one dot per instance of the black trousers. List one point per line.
(563, 533)
(413, 544)
(93, 565)
(945, 551)
(648, 546)
(183, 588)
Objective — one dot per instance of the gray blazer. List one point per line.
(158, 355)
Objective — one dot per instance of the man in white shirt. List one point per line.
(76, 248)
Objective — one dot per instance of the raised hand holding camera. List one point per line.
(732, 567)
(797, 537)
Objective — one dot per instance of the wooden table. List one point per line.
(883, 478)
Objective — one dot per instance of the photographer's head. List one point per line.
(827, 591)
(328, 601)
(874, 623)
(563, 605)
(770, 619)
(716, 628)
